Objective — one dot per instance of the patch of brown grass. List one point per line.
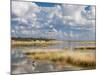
(64, 57)
(33, 43)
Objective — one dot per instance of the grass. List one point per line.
(34, 43)
(85, 48)
(63, 58)
(82, 60)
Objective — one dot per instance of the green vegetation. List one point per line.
(30, 39)
(42, 42)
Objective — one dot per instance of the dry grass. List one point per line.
(59, 57)
(33, 43)
(64, 57)
(84, 60)
(87, 42)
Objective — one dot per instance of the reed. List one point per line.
(66, 57)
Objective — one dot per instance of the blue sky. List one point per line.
(42, 4)
(58, 21)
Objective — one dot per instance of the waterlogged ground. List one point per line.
(24, 60)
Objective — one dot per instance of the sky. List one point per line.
(54, 21)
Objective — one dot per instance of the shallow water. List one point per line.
(61, 45)
(21, 64)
